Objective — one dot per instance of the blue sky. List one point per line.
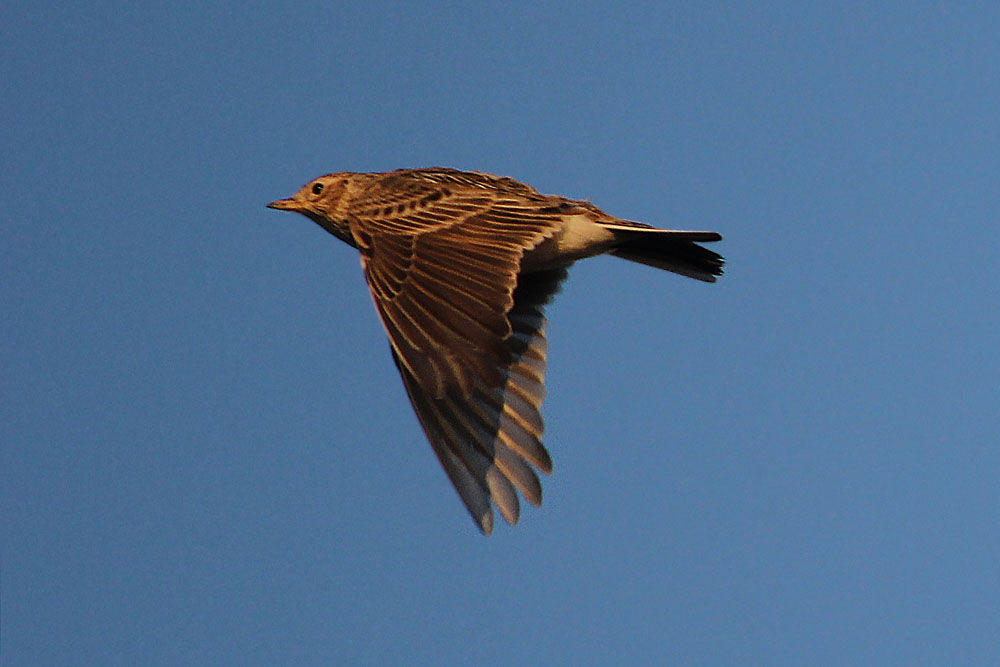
(206, 456)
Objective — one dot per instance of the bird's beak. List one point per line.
(284, 205)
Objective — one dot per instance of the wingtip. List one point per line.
(484, 523)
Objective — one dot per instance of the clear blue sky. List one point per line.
(206, 455)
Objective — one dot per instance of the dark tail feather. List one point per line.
(673, 251)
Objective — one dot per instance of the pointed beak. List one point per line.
(284, 205)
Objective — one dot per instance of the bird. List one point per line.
(460, 266)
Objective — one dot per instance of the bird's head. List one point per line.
(324, 201)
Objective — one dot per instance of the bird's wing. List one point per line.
(442, 262)
(485, 440)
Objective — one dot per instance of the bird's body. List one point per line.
(460, 266)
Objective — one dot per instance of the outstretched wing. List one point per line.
(442, 259)
(486, 439)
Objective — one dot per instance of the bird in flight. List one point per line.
(460, 266)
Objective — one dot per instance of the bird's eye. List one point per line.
(317, 188)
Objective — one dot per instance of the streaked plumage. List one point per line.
(460, 266)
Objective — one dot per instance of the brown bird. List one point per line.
(460, 266)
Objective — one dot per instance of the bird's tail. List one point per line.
(670, 249)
